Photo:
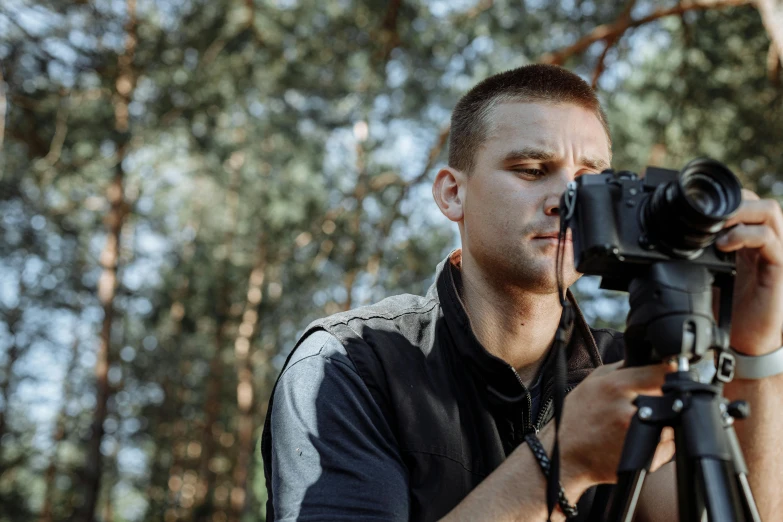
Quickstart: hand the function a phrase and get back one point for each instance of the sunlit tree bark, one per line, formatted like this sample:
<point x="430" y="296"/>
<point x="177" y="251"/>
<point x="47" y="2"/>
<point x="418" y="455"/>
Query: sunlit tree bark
<point x="109" y="261"/>
<point x="245" y="398"/>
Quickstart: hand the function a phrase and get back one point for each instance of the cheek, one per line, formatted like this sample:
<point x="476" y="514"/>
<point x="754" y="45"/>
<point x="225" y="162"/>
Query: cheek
<point x="512" y="203"/>
<point x="502" y="207"/>
<point x="502" y="215"/>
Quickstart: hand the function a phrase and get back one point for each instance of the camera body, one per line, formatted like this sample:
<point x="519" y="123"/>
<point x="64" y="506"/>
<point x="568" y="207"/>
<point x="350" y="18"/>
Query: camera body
<point x="616" y="235"/>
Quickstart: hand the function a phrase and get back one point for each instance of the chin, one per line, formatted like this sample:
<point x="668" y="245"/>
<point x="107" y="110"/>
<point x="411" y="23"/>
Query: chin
<point x="544" y="280"/>
<point x="532" y="271"/>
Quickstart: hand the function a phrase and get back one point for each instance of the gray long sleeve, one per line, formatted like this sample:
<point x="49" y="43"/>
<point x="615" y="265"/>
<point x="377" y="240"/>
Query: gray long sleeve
<point x="334" y="456"/>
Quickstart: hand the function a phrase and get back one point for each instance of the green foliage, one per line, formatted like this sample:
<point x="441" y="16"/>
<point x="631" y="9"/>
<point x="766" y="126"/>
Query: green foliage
<point x="276" y="168"/>
<point x="703" y="91"/>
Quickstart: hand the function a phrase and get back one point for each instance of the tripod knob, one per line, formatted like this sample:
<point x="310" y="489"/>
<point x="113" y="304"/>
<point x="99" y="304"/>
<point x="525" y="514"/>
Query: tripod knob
<point x="739" y="409"/>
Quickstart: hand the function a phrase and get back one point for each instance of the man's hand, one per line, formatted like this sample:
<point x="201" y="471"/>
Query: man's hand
<point x="596" y="417"/>
<point x="757" y="238"/>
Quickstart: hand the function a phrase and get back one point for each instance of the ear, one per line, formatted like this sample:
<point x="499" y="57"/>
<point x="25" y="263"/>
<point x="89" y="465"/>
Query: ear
<point x="449" y="192"/>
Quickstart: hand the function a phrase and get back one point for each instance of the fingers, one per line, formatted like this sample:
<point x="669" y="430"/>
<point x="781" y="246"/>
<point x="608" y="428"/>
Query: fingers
<point x="599" y="412"/>
<point x="760" y="237"/>
<point x="607" y="368"/>
<point x="640" y="380"/>
<point x="663" y="453"/>
<point x="758" y="212"/>
<point x="749" y="194"/>
<point x="757" y="225"/>
<point x="665" y="450"/>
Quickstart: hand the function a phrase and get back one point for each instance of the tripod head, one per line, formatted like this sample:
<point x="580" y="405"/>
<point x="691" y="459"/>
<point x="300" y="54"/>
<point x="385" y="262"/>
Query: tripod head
<point x="671" y="313"/>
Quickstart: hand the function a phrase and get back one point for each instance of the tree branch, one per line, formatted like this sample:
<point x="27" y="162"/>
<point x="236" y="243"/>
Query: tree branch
<point x="60" y="130"/>
<point x="773" y="65"/>
<point x="610" y="42"/>
<point x="772" y="17"/>
<point x="389" y="34"/>
<point x="374" y="261"/>
<point x="617" y="29"/>
<point x="219" y="43"/>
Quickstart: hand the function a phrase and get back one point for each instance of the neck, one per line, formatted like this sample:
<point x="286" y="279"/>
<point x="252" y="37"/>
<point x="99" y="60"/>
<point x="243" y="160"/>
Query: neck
<point x="512" y="323"/>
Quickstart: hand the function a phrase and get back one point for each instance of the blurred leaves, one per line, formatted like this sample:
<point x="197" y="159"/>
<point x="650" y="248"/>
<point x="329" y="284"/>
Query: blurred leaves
<point x="275" y="168"/>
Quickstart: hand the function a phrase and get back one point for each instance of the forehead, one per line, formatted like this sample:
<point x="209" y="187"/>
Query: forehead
<point x="561" y="128"/>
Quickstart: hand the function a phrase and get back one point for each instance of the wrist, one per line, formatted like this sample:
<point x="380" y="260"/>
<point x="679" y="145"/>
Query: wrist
<point x="756" y="351"/>
<point x="755" y="347"/>
<point x="574" y="477"/>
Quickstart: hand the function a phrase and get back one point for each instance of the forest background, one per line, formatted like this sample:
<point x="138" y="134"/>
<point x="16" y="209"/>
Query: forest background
<point x="185" y="184"/>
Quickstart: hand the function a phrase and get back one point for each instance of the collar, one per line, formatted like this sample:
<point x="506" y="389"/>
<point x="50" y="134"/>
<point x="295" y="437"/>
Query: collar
<point x="582" y="351"/>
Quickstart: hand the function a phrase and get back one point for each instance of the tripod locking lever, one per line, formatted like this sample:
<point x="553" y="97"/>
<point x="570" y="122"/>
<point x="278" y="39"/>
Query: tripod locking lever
<point x="739" y="410"/>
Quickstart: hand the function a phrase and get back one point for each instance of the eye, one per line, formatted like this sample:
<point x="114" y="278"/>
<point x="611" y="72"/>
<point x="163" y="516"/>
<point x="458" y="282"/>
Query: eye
<point x="529" y="172"/>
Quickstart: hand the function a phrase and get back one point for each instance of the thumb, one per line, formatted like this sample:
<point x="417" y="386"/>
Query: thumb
<point x="607" y="368"/>
<point x="665" y="450"/>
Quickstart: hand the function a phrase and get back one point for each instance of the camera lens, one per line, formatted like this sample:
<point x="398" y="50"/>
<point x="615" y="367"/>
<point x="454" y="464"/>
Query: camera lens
<point x="685" y="215"/>
<point x="706" y="195"/>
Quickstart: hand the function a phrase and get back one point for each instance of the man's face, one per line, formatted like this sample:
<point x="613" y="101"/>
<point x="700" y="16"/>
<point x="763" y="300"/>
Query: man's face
<point x="510" y="200"/>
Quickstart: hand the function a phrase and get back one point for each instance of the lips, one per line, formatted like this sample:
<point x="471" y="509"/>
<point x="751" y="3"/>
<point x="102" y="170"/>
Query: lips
<point x="553" y="235"/>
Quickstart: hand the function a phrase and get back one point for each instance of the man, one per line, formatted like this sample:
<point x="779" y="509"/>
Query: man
<point x="418" y="407"/>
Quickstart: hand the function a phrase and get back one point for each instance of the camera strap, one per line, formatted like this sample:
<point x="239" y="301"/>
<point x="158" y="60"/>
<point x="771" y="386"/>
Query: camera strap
<point x="553" y="487"/>
<point x="559" y="373"/>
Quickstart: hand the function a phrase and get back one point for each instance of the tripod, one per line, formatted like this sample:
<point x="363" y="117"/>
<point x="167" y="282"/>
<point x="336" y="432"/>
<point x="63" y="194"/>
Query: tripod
<point x="671" y="318"/>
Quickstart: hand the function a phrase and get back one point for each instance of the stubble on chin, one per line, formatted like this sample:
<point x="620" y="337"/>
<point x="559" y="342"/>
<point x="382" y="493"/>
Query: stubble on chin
<point x="535" y="272"/>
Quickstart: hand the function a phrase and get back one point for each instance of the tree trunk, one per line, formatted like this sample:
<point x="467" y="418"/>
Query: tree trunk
<point x="111" y="479"/>
<point x="243" y="351"/>
<point x="109" y="261"/>
<point x="169" y="424"/>
<point x="207" y="477"/>
<point x="107" y="288"/>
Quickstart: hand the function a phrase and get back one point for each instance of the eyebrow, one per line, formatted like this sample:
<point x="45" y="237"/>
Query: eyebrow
<point x="532" y="153"/>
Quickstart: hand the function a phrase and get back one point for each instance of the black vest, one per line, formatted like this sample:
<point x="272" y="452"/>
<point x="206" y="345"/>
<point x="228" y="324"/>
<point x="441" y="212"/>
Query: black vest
<point x="457" y="411"/>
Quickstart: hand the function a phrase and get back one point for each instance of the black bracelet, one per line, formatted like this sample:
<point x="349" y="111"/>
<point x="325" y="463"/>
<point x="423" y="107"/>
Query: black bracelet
<point x="569" y="510"/>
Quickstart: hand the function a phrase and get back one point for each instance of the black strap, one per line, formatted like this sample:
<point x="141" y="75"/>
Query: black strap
<point x="554" y="490"/>
<point x="569" y="510"/>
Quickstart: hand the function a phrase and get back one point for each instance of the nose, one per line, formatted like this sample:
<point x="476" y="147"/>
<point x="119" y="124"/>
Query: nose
<point x="552" y="205"/>
<point x="559" y="181"/>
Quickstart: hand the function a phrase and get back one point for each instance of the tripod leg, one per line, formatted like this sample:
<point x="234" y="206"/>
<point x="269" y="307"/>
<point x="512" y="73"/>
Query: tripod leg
<point x="638" y="451"/>
<point x="741" y="472"/>
<point x="720" y="493"/>
<point x="708" y="461"/>
<point x="690" y="502"/>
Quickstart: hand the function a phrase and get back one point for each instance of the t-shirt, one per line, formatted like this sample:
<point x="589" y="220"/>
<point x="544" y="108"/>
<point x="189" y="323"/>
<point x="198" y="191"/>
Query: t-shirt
<point x="334" y="454"/>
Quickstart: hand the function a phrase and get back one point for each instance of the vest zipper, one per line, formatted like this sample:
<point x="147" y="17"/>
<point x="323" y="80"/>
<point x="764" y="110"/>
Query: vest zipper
<point x="529" y="412"/>
<point x="544" y="411"/>
<point x="527" y="426"/>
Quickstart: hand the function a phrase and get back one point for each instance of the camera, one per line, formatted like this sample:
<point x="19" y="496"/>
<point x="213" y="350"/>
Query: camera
<point x="622" y="223"/>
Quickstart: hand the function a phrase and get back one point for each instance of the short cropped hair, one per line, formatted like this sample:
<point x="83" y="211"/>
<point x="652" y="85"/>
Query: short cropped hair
<point x="530" y="83"/>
